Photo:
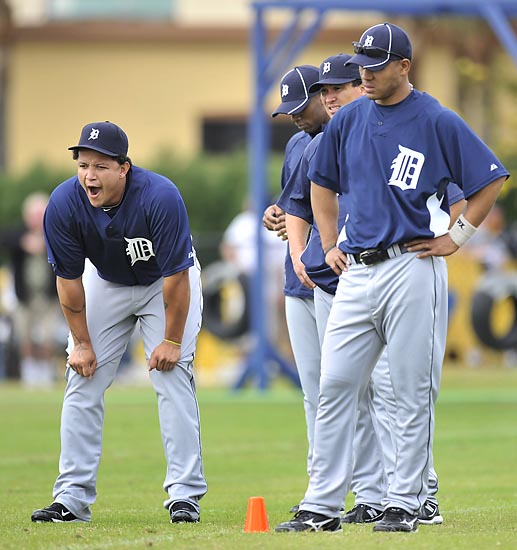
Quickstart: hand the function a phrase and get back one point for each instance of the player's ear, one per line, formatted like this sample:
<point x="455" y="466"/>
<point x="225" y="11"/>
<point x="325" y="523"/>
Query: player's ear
<point x="124" y="169"/>
<point x="405" y="66"/>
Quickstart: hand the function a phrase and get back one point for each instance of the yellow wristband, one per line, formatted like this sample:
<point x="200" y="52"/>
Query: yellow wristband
<point x="172" y="342"/>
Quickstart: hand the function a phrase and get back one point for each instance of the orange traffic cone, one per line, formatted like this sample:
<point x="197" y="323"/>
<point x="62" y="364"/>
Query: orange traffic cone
<point x="256" y="516"/>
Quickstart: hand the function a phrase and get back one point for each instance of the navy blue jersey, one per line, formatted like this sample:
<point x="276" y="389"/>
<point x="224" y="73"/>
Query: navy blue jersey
<point x="296" y="200"/>
<point x="147" y="238"/>
<point x="377" y="157"/>
<point x="454" y="194"/>
<point x="293" y="152"/>
<point x="313" y="257"/>
<point x="295" y="197"/>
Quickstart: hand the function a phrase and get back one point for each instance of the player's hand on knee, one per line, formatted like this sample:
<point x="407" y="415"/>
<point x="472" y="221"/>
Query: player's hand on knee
<point x="83" y="360"/>
<point x="165" y="356"/>
<point x="336" y="259"/>
<point x="441" y="246"/>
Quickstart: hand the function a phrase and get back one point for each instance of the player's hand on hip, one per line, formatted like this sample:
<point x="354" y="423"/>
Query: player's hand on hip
<point x="83" y="360"/>
<point x="441" y="246"/>
<point x="336" y="259"/>
<point x="165" y="356"/>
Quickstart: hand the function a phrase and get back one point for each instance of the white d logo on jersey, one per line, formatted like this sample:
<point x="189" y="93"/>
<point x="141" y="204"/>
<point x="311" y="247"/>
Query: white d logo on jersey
<point x="406" y="167"/>
<point x="139" y="249"/>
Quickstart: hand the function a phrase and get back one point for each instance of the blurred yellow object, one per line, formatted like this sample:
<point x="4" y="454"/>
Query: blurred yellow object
<point x="463" y="346"/>
<point x="217" y="362"/>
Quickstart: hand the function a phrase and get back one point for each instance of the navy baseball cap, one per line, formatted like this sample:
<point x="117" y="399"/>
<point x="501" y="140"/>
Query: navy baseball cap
<point x="334" y="71"/>
<point x="294" y="89"/>
<point x="104" y="137"/>
<point x="381" y="44"/>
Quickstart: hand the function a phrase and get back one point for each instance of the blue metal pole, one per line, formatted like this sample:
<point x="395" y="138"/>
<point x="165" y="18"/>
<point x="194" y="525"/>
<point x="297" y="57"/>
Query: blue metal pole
<point x="258" y="147"/>
<point x="262" y="351"/>
<point x="501" y="26"/>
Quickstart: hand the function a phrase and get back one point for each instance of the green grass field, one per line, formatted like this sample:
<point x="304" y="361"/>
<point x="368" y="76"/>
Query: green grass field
<point x="254" y="445"/>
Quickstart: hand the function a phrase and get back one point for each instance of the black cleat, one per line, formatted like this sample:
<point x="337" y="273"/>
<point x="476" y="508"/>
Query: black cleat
<point x="429" y="514"/>
<point x="183" y="512"/>
<point x="309" y="521"/>
<point x="362" y="513"/>
<point x="397" y="519"/>
<point x="56" y="513"/>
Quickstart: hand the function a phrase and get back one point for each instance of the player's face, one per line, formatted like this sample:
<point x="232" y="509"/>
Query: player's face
<point x="312" y="117"/>
<point x="335" y="96"/>
<point x="389" y="85"/>
<point x="103" y="178"/>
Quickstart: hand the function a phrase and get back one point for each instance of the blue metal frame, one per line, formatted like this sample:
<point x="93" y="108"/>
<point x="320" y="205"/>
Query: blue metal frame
<point x="269" y="64"/>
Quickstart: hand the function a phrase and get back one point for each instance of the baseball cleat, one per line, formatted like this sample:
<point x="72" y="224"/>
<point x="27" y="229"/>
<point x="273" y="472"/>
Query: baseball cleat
<point x="362" y="513"/>
<point x="429" y="514"/>
<point x="55" y="513"/>
<point x="309" y="521"/>
<point x="397" y="519"/>
<point x="183" y="512"/>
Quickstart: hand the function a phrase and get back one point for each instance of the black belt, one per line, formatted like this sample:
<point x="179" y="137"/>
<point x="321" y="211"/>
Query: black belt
<point x="373" y="256"/>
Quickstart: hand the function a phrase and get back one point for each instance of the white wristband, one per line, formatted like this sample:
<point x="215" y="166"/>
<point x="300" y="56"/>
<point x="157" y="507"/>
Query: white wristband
<point x="461" y="231"/>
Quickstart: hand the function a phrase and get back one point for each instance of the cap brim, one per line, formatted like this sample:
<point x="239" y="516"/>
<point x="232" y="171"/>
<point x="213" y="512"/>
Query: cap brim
<point x="98" y="149"/>
<point x="370" y="63"/>
<point x="329" y="81"/>
<point x="291" y="107"/>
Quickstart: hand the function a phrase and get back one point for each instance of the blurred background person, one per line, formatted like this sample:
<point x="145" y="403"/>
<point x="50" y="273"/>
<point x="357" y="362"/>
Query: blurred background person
<point x="489" y="246"/>
<point x="239" y="248"/>
<point x="490" y="256"/>
<point x="36" y="314"/>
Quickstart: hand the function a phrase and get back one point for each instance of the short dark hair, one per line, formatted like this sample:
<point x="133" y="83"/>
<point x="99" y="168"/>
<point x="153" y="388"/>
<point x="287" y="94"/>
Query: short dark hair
<point x="121" y="159"/>
<point x="356" y="83"/>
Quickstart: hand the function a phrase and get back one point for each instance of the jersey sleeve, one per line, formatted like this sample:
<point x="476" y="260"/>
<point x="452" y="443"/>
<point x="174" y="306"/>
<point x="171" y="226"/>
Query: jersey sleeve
<point x="170" y="229"/>
<point x="454" y="194"/>
<point x="295" y="199"/>
<point x="64" y="248"/>
<point x="471" y="163"/>
<point x="286" y="169"/>
<point x="323" y="168"/>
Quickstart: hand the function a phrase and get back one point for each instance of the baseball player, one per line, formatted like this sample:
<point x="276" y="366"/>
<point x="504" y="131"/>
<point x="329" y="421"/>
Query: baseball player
<point x="392" y="155"/>
<point x="308" y="114"/>
<point x="374" y="453"/>
<point x="132" y="225"/>
<point x="337" y="85"/>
